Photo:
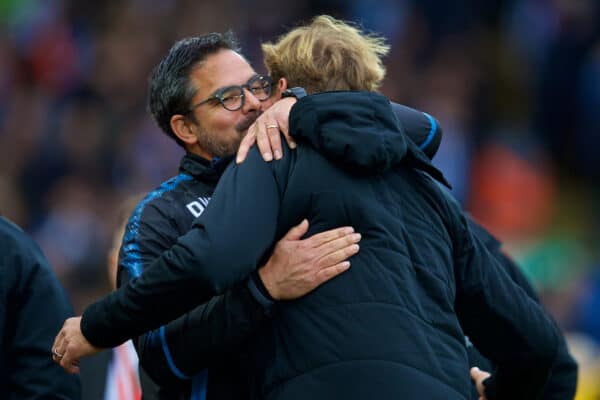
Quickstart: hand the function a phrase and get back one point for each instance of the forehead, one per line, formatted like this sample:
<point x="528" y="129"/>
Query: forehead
<point x="224" y="68"/>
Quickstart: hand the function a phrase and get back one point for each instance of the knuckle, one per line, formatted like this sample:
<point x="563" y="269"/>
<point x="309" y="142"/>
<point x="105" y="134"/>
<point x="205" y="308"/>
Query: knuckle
<point x="315" y="280"/>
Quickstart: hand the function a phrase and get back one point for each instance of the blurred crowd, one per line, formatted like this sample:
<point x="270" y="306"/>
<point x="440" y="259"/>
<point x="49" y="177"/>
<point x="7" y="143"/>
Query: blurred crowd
<point x="514" y="83"/>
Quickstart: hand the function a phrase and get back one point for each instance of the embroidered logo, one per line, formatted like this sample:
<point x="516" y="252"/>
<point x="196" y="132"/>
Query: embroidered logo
<point x="197" y="207"/>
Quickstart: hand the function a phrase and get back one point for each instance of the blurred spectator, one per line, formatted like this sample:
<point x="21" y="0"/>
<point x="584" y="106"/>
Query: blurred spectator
<point x="33" y="306"/>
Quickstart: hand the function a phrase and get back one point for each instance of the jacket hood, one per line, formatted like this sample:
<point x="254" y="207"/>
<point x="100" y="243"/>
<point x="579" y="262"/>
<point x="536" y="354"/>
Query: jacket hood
<point x="359" y="131"/>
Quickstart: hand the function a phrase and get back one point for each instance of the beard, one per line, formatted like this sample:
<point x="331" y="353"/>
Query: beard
<point x="216" y="145"/>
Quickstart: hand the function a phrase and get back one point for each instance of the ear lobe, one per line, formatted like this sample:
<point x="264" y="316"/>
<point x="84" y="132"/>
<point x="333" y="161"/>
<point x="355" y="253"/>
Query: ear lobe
<point x="183" y="129"/>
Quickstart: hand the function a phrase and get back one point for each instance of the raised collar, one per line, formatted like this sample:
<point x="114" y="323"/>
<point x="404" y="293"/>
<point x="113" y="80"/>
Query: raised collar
<point x="202" y="169"/>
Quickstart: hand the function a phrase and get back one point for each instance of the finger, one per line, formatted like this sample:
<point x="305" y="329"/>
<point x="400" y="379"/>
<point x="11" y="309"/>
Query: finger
<point x="338" y="244"/>
<point x="54" y="349"/>
<point x="58" y="348"/>
<point x="246" y="144"/>
<point x="274" y="138"/>
<point x="338" y="256"/>
<point x="59" y="337"/>
<point x="479" y="376"/>
<point x="319" y="239"/>
<point x="284" y="128"/>
<point x="70" y="365"/>
<point x="328" y="273"/>
<point x="263" y="143"/>
<point x="69" y="361"/>
<point x="290" y="140"/>
<point x="297" y="231"/>
<point x="282" y="117"/>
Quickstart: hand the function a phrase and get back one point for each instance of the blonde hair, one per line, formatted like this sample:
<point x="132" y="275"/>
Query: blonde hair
<point x="327" y="54"/>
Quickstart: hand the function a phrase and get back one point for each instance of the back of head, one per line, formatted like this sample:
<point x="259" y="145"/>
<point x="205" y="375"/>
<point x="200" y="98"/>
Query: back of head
<point x="327" y="55"/>
<point x="170" y="89"/>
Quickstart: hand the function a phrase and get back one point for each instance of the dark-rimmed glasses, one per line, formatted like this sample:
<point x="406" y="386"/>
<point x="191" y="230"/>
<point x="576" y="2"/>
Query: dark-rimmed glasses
<point x="232" y="98"/>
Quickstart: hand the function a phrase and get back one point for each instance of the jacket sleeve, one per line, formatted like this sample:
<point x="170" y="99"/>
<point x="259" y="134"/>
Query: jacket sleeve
<point x="37" y="306"/>
<point x="224" y="246"/>
<point x="207" y="334"/>
<point x="563" y="379"/>
<point x="167" y="354"/>
<point x="424" y="130"/>
<point x="501" y="320"/>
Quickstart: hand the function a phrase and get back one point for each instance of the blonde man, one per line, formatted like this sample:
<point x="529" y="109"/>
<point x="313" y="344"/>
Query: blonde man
<point x="390" y="327"/>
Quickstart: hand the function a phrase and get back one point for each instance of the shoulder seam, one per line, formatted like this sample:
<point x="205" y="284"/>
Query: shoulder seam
<point x="131" y="257"/>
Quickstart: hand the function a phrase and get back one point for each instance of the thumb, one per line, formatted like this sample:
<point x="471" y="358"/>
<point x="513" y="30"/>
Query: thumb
<point x="297" y="231"/>
<point x="478" y="377"/>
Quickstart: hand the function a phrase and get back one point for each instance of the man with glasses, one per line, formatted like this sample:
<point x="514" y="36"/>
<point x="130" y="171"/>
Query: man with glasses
<point x="205" y="95"/>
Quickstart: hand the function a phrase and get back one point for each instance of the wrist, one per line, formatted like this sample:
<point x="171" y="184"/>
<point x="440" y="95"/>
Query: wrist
<point x="264" y="280"/>
<point x="295" y="92"/>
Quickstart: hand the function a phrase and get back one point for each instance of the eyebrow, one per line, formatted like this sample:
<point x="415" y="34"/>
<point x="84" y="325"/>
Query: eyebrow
<point x="223" y="88"/>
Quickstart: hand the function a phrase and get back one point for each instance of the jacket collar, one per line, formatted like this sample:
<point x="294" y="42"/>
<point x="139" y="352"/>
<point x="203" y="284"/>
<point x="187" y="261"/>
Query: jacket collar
<point x="202" y="169"/>
<point x="359" y="131"/>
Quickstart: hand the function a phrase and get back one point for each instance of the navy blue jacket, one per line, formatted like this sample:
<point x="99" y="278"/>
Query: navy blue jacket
<point x="33" y="307"/>
<point x="394" y="324"/>
<point x="177" y="355"/>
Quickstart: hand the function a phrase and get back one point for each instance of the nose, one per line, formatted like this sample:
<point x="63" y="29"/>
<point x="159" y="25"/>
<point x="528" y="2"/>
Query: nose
<point x="251" y="103"/>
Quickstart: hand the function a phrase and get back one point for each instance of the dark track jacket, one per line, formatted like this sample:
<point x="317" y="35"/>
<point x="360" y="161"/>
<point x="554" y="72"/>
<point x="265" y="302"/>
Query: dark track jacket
<point x="177" y="355"/>
<point x="392" y="326"/>
<point x="33" y="307"/>
<point x="563" y="380"/>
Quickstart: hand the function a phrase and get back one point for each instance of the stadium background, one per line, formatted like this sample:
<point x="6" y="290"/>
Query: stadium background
<point x="514" y="83"/>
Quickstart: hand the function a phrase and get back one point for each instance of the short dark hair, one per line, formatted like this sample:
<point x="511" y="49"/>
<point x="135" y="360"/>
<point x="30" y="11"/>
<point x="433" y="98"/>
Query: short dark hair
<point x="170" y="91"/>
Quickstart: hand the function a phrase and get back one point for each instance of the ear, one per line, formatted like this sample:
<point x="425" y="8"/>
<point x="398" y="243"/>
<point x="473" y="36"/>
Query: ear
<point x="279" y="87"/>
<point x="183" y="129"/>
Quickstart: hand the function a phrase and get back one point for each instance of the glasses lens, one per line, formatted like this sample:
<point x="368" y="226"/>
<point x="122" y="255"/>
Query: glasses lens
<point x="260" y="87"/>
<point x="231" y="98"/>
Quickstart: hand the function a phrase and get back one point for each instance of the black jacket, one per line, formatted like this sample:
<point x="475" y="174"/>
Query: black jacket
<point x="390" y="326"/>
<point x="33" y="307"/>
<point x="563" y="380"/>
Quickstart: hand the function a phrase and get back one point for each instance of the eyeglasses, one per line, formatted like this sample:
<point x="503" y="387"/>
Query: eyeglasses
<point x="232" y="97"/>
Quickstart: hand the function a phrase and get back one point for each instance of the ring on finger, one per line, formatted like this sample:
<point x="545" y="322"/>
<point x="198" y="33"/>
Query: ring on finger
<point x="57" y="354"/>
<point x="272" y="126"/>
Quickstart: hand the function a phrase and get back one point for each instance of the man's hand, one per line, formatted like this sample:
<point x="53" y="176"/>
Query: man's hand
<point x="478" y="377"/>
<point x="265" y="131"/>
<point x="297" y="266"/>
<point x="70" y="345"/>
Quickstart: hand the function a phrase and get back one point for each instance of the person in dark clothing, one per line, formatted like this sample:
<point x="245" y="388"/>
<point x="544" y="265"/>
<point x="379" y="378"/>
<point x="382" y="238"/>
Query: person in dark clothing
<point x="32" y="306"/>
<point x="390" y="326"/>
<point x="562" y="384"/>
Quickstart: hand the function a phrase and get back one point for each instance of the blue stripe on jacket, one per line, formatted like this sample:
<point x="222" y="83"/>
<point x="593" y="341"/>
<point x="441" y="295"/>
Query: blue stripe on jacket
<point x="431" y="134"/>
<point x="132" y="262"/>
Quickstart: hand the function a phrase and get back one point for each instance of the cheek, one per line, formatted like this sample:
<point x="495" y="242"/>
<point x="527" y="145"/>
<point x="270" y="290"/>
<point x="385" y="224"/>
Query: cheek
<point x="219" y="122"/>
